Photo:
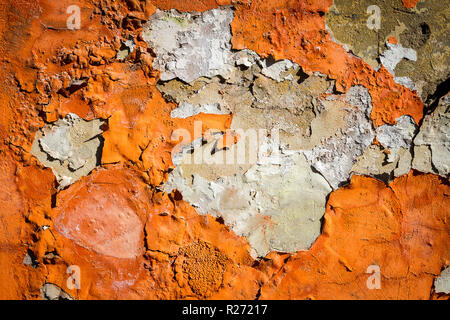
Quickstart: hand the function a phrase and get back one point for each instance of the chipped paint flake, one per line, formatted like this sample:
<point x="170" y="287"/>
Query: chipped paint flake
<point x="190" y="45"/>
<point x="394" y="54"/>
<point x="277" y="204"/>
<point x="70" y="146"/>
<point x="334" y="156"/>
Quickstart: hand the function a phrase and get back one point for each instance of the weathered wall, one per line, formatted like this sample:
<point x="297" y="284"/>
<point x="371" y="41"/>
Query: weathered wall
<point x="215" y="149"/>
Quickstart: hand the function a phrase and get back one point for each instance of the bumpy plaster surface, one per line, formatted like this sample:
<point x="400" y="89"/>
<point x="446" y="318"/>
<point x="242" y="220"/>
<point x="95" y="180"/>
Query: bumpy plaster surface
<point x="426" y="149"/>
<point x="399" y="135"/>
<point x="334" y="156"/>
<point x="402" y="227"/>
<point x="202" y="96"/>
<point x="396" y="161"/>
<point x="432" y="143"/>
<point x="279" y="70"/>
<point x="190" y="45"/>
<point x="277" y="204"/>
<point x="69" y="146"/>
<point x="442" y="283"/>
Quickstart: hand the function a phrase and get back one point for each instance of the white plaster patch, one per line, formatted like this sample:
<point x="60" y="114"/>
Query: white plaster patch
<point x="279" y="70"/>
<point x="190" y="45"/>
<point x="335" y="156"/>
<point x="399" y="135"/>
<point x="394" y="54"/>
<point x="69" y="146"/>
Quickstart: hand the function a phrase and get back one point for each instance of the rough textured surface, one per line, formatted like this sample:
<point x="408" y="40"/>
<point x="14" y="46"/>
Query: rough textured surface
<point x="264" y="203"/>
<point x="392" y="156"/>
<point x="256" y="101"/>
<point x="399" y="135"/>
<point x="257" y="197"/>
<point x="296" y="30"/>
<point x="339" y="259"/>
<point x="277" y="70"/>
<point x="432" y="143"/>
<point x="442" y="283"/>
<point x="383" y="164"/>
<point x="335" y="155"/>
<point x="50" y="291"/>
<point x="70" y="146"/>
